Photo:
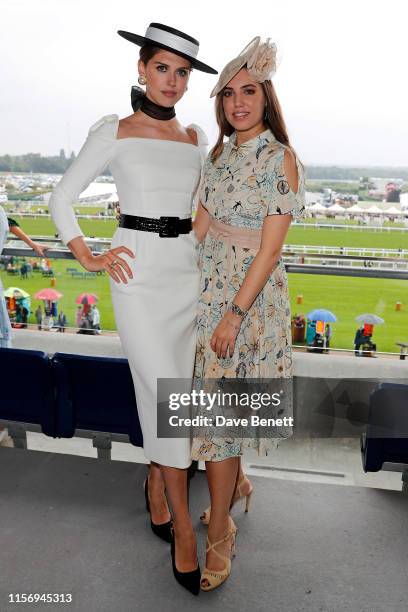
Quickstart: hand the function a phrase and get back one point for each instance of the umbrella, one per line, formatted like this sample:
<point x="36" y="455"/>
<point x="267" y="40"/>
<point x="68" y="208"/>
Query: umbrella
<point x="321" y="314"/>
<point x="371" y="319"/>
<point x="15" y="292"/>
<point x="48" y="294"/>
<point x="87" y="298"/>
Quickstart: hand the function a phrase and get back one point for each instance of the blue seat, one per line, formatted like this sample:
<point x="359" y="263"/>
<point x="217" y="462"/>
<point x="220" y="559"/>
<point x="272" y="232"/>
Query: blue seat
<point x="27" y="389"/>
<point x="97" y="394"/>
<point x="386" y="437"/>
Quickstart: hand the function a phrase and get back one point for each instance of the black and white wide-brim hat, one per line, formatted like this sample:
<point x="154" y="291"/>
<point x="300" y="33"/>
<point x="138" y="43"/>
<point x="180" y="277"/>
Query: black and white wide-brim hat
<point x="172" y="40"/>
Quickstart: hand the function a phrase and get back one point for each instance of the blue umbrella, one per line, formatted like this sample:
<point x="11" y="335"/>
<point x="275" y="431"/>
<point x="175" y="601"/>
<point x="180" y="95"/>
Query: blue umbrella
<point x="321" y="314"/>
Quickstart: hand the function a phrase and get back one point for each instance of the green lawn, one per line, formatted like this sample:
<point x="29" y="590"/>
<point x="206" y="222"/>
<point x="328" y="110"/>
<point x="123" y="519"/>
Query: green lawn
<point x="346" y="297"/>
<point x="69" y="287"/>
<point x="297" y="235"/>
<point x="347" y="238"/>
<point x="45" y="227"/>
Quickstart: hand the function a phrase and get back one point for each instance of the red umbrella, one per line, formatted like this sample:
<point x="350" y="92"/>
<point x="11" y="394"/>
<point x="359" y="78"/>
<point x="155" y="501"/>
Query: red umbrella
<point x="48" y="294"/>
<point x="87" y="298"/>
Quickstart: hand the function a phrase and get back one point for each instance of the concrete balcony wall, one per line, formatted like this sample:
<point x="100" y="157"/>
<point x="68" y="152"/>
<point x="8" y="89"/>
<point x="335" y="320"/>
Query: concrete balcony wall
<point x="334" y="460"/>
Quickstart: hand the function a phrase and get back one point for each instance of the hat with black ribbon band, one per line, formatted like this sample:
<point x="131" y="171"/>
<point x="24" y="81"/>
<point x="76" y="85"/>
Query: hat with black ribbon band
<point x="172" y="40"/>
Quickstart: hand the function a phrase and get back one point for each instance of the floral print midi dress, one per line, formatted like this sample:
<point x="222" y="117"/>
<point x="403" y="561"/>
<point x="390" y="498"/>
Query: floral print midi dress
<point x="244" y="185"/>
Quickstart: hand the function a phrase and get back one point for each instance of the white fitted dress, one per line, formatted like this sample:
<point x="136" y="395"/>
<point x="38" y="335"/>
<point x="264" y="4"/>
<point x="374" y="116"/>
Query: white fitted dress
<point x="155" y="311"/>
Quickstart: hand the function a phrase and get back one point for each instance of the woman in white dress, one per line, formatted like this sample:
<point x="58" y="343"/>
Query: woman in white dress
<point x="153" y="263"/>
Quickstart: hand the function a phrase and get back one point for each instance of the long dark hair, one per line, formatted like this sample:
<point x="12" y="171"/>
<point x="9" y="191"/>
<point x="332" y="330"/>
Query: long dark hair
<point x="273" y="119"/>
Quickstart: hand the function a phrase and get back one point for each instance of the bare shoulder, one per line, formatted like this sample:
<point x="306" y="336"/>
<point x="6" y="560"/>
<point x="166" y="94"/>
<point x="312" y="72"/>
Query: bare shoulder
<point x="128" y="126"/>
<point x="290" y="167"/>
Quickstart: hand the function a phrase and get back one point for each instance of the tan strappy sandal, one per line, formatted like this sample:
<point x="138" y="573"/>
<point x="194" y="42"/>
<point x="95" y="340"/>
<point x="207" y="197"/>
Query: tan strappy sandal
<point x="216" y="578"/>
<point x="238" y="494"/>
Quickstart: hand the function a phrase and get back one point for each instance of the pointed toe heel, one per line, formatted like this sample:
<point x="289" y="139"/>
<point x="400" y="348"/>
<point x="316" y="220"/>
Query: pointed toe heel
<point x="188" y="580"/>
<point x="163" y="530"/>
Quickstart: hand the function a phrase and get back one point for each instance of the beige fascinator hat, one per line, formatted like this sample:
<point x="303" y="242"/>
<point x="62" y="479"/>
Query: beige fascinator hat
<point x="260" y="61"/>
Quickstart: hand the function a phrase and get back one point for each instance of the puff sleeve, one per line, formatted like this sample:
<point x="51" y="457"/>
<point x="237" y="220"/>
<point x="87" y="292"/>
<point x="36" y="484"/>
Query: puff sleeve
<point x="90" y="162"/>
<point x="202" y="141"/>
<point x="279" y="197"/>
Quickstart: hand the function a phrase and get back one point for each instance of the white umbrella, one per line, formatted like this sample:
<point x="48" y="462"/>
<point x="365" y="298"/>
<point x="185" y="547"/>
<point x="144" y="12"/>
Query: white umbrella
<point x="369" y="318"/>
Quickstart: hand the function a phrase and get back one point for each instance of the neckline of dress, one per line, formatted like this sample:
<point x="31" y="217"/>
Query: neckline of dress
<point x="252" y="142"/>
<point x="189" y="144"/>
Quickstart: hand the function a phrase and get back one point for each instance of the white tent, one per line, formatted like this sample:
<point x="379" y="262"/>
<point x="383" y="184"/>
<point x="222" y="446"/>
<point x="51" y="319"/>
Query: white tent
<point x="336" y="208"/>
<point x="374" y="210"/>
<point x="393" y="211"/>
<point x="355" y="209"/>
<point x="98" y="191"/>
<point x="317" y="207"/>
<point x="113" y="197"/>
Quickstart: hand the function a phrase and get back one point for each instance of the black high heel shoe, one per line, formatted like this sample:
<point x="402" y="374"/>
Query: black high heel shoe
<point x="163" y="530"/>
<point x="188" y="580"/>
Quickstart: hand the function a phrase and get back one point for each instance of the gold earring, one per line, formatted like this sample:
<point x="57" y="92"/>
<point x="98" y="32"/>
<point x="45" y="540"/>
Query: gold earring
<point x="142" y="80"/>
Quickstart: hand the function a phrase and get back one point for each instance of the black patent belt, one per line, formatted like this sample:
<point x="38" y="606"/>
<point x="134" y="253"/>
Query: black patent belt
<point x="166" y="227"/>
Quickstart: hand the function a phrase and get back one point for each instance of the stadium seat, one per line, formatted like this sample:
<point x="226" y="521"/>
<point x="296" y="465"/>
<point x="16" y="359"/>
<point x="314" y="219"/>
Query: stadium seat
<point x="386" y="437"/>
<point x="27" y="390"/>
<point x="97" y="394"/>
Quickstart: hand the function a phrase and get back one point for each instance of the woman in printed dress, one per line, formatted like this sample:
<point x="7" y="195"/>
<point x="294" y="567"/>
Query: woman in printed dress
<point x="252" y="188"/>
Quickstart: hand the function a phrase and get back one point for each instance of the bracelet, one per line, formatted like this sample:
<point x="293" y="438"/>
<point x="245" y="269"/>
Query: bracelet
<point x="237" y="310"/>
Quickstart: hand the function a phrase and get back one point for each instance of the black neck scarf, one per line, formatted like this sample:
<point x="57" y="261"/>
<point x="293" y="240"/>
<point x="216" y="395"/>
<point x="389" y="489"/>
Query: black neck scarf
<point x="140" y="101"/>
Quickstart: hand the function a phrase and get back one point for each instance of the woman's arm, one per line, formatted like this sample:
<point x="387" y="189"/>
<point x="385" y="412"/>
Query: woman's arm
<point x="105" y="261"/>
<point x="274" y="230"/>
<point x="90" y="162"/>
<point x="38" y="248"/>
<point x="201" y="222"/>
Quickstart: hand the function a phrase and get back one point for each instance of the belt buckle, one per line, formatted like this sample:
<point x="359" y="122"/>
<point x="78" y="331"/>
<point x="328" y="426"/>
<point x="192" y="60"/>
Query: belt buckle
<point x="171" y="230"/>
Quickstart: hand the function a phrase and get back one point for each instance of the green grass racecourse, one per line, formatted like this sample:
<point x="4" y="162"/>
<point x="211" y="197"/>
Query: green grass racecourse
<point x="297" y="235"/>
<point x="347" y="238"/>
<point x="346" y="297"/>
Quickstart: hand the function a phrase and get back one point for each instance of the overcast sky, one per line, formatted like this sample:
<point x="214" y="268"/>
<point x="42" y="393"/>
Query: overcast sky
<point x="341" y="79"/>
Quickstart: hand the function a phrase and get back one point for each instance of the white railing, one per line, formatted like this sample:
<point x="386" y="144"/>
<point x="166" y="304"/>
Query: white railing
<point x="347" y="226"/>
<point x="348" y="251"/>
